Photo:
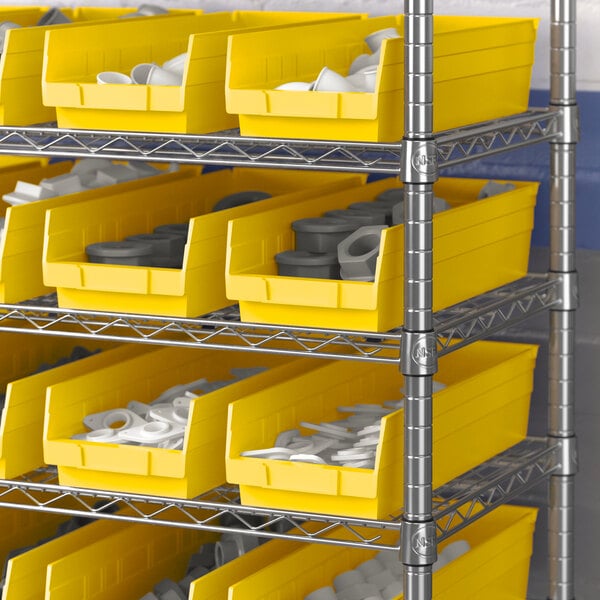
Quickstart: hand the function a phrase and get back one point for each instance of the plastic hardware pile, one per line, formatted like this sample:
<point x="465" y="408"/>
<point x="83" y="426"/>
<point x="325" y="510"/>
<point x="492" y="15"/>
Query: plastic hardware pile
<point x="344" y="243"/>
<point x="165" y="246"/>
<point x="362" y="74"/>
<point x="349" y="442"/>
<point x="86" y="174"/>
<point x="379" y="578"/>
<point x="209" y="557"/>
<point x="159" y="424"/>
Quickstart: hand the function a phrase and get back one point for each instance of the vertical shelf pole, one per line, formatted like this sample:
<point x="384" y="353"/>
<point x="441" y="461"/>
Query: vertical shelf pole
<point x="561" y="368"/>
<point x="419" y="349"/>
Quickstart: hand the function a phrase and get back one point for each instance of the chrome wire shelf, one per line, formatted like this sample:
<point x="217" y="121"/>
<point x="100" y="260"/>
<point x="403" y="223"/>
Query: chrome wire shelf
<point x="457" y="504"/>
<point x="232" y="149"/>
<point x="455" y="327"/>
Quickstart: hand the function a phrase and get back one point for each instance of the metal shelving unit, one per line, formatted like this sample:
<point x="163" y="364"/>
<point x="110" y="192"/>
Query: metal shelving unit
<point x="428" y="515"/>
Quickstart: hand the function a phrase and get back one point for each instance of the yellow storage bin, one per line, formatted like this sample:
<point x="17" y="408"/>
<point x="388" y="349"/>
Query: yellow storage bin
<point x="497" y="566"/>
<point x="23" y="55"/>
<point x="199" y="286"/>
<point x="477" y="246"/>
<point x="124" y="564"/>
<point x="127" y="564"/>
<point x="482" y="411"/>
<point x="185" y="473"/>
<point x="482" y="70"/>
<point x="74" y="57"/>
<point x="22" y="528"/>
<point x="22" y="241"/>
<point x="22" y="419"/>
<point x="26" y="573"/>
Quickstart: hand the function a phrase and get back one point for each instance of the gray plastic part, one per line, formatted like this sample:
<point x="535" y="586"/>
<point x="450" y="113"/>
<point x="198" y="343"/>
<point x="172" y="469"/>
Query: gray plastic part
<point x="440" y="205"/>
<point x="298" y="263"/>
<point x="358" y="253"/>
<point x="150" y="596"/>
<point x="186" y="582"/>
<point x="377" y="207"/>
<point x="167" y="248"/>
<point x="493" y="188"/>
<point x="181" y="229"/>
<point x="205" y="557"/>
<point x="120" y="253"/>
<point x="362" y="217"/>
<point x="239" y="199"/>
<point x="391" y="195"/>
<point x="53" y="17"/>
<point x="167" y="589"/>
<point x="322" y="235"/>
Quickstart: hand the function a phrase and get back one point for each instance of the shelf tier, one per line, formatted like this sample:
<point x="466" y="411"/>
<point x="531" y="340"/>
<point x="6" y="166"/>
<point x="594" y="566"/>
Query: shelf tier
<point x="456" y="505"/>
<point x="455" y="327"/>
<point x="230" y="148"/>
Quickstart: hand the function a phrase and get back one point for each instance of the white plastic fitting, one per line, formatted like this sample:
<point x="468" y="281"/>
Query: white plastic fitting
<point x="357" y="254"/>
<point x="69" y="183"/>
<point x="107" y="419"/>
<point x="27" y="192"/>
<point x="153" y="432"/>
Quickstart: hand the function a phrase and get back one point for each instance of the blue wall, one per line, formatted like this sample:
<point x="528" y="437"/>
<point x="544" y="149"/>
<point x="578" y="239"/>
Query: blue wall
<point x="533" y="164"/>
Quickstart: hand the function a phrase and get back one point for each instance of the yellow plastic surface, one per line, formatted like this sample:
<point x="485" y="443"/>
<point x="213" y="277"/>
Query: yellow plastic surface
<point x="477" y="246"/>
<point x="179" y="473"/>
<point x="21" y="528"/>
<point x="21" y="422"/>
<point x="482" y="411"/>
<point x="22" y="242"/>
<point x="198" y="287"/>
<point x="497" y="566"/>
<point x="126" y="563"/>
<point x="22" y="59"/>
<point x="215" y="584"/>
<point x="26" y="573"/>
<point x="482" y="70"/>
<point x="74" y="57"/>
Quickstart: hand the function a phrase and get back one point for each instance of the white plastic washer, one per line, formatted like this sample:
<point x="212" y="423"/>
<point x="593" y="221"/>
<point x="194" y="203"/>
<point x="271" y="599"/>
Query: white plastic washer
<point x="369" y="430"/>
<point x="329" y="431"/>
<point x="285" y="438"/>
<point x="273" y="453"/>
<point x="153" y="432"/>
<point x="107" y="418"/>
<point x="308" y="458"/>
<point x="102" y="435"/>
<point x="372" y="440"/>
<point x="394" y="404"/>
<point x="178" y="390"/>
<point x="178" y="415"/>
<point x="370" y="409"/>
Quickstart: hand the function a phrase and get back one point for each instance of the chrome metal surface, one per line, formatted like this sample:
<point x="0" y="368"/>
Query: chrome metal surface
<point x="492" y="484"/>
<point x="230" y="148"/>
<point x="486" y="139"/>
<point x="455" y="327"/>
<point x="455" y="504"/>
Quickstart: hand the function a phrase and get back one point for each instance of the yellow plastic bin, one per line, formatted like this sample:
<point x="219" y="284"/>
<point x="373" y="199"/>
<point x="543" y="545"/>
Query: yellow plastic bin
<point x="478" y="245"/>
<point x="74" y="57"/>
<point x="482" y="70"/>
<point x="22" y="528"/>
<point x="125" y="563"/>
<point x="185" y="473"/>
<point x="199" y="286"/>
<point x="23" y="55"/>
<point x="482" y="411"/>
<point x="22" y="419"/>
<point x="22" y="241"/>
<point x="130" y="562"/>
<point x="33" y="575"/>
<point x="496" y="566"/>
